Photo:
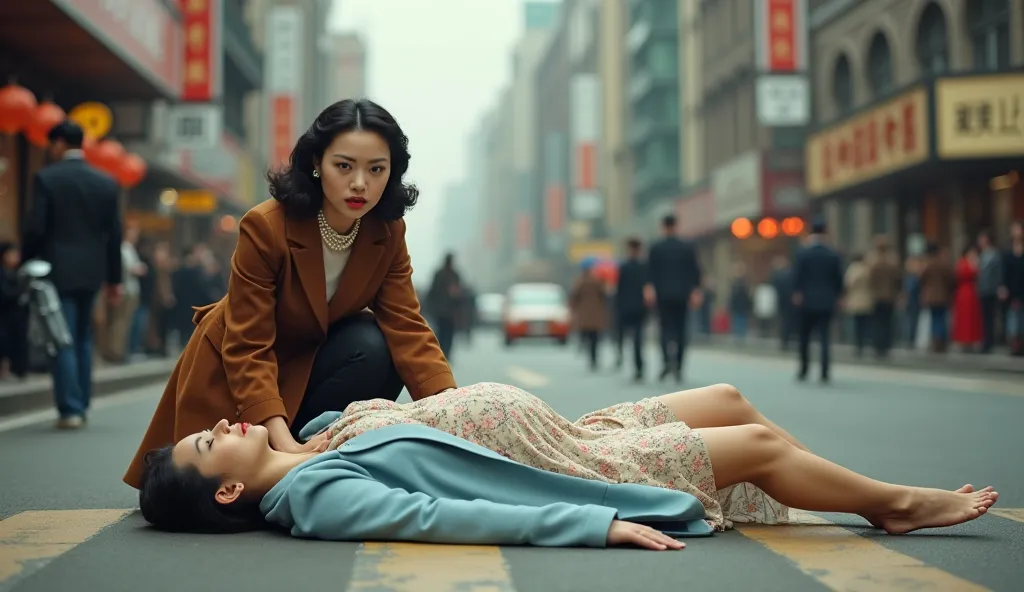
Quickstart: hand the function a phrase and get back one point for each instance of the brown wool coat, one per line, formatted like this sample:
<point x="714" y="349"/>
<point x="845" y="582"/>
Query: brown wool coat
<point x="251" y="354"/>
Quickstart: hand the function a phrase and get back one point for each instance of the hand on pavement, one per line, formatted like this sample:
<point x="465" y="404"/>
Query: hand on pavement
<point x="630" y="533"/>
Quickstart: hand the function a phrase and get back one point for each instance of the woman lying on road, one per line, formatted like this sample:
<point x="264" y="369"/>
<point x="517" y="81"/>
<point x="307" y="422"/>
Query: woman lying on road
<point x="492" y="464"/>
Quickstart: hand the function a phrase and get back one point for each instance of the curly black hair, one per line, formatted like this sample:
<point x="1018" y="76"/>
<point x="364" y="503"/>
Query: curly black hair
<point x="301" y="193"/>
<point x="180" y="499"/>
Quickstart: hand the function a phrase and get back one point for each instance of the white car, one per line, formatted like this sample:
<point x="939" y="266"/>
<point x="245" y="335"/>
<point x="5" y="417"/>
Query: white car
<point x="536" y="310"/>
<point x="490" y="308"/>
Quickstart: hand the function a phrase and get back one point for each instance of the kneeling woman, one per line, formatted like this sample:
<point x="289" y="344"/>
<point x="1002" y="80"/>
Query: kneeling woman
<point x="492" y="464"/>
<point x="292" y="338"/>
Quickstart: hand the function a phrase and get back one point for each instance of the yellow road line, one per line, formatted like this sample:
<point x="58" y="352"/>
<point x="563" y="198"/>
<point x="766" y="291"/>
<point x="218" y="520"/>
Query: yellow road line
<point x="842" y="560"/>
<point x="37" y="537"/>
<point x="526" y="378"/>
<point x="405" y="567"/>
<point x="1009" y="513"/>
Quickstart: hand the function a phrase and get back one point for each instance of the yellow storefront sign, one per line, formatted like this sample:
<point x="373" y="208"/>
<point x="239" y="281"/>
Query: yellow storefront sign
<point x="95" y="119"/>
<point x="578" y="251"/>
<point x="888" y="138"/>
<point x="245" y="188"/>
<point x="980" y="116"/>
<point x="196" y="202"/>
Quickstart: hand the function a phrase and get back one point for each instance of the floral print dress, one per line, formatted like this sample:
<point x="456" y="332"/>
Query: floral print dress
<point x="640" y="442"/>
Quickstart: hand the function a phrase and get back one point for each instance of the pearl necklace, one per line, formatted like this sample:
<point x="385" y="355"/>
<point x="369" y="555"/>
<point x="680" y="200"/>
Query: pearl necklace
<point x="333" y="239"/>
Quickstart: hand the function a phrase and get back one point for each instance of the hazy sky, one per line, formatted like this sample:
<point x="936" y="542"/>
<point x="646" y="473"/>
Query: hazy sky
<point x="437" y="66"/>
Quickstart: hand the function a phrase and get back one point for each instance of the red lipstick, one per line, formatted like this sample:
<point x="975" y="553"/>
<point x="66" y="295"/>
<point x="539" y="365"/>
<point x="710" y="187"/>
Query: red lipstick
<point x="245" y="428"/>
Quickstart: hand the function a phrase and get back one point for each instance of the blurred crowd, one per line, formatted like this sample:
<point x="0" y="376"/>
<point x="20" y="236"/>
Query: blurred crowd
<point x="152" y="318"/>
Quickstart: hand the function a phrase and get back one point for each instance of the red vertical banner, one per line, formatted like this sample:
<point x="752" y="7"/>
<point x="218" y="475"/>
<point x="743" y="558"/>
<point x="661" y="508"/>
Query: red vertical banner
<point x="554" y="200"/>
<point x="198" y="24"/>
<point x="585" y="155"/>
<point x="523" y="231"/>
<point x="283" y="110"/>
<point x="781" y="35"/>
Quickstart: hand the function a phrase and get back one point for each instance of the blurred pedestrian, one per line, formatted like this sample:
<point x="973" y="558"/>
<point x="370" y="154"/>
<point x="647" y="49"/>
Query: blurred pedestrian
<point x="588" y="300"/>
<point x="782" y="280"/>
<point x="886" y="281"/>
<point x="74" y="223"/>
<point x="967" y="321"/>
<point x="676" y="279"/>
<point x="740" y="303"/>
<point x="937" y="285"/>
<point x="320" y="308"/>
<point x="13" y="315"/>
<point x="990" y="279"/>
<point x="1013" y="289"/>
<point x="858" y="303"/>
<point x="631" y="306"/>
<point x="817" y="289"/>
<point x="912" y="299"/>
<point x="443" y="302"/>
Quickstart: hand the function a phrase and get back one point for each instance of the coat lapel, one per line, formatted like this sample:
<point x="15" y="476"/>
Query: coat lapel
<point x="308" y="255"/>
<point x="362" y="263"/>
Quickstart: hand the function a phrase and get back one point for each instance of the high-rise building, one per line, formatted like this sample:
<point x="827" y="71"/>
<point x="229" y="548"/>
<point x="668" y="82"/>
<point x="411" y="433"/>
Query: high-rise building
<point x="348" y="70"/>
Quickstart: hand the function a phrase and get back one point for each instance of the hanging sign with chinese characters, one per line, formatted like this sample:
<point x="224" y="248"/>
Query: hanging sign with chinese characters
<point x="200" y="20"/>
<point x="780" y="27"/>
<point x="980" y="116"/>
<point x="882" y="140"/>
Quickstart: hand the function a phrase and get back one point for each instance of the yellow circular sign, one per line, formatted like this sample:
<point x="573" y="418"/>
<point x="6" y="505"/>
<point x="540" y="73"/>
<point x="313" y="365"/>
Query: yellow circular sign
<point x="95" y="119"/>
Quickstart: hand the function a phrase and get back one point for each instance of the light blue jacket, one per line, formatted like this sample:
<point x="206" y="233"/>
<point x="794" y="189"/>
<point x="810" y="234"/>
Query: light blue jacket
<point x="416" y="483"/>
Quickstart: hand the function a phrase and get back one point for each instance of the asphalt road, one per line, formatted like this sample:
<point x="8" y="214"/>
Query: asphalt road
<point x="69" y="524"/>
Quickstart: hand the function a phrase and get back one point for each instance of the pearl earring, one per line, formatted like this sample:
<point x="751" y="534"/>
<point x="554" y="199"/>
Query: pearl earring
<point x="316" y="173"/>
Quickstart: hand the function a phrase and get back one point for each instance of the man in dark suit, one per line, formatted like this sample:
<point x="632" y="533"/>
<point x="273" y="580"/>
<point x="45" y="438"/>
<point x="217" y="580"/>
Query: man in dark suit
<point x="817" y="288"/>
<point x="75" y="224"/>
<point x="631" y="306"/>
<point x="675" y="276"/>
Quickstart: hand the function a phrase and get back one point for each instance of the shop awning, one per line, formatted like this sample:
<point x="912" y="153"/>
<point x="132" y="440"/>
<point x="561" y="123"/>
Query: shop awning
<point x="127" y="49"/>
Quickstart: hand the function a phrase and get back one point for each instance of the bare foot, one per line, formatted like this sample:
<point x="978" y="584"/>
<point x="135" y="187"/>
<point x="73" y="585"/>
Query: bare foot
<point x="876" y="520"/>
<point x="934" y="508"/>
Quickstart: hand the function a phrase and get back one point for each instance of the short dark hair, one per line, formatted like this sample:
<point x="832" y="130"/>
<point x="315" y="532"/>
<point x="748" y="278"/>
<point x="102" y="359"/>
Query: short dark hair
<point x="181" y="499"/>
<point x="669" y="221"/>
<point x="301" y="193"/>
<point x="69" y="131"/>
<point x="633" y="243"/>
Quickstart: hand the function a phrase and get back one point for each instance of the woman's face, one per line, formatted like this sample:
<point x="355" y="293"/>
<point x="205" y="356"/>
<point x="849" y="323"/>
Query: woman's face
<point x="354" y="171"/>
<point x="12" y="258"/>
<point x="234" y="453"/>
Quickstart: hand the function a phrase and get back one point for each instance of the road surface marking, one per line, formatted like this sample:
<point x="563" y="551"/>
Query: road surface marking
<point x="526" y="378"/>
<point x="407" y="567"/>
<point x="1009" y="513"/>
<point x="33" y="417"/>
<point x="31" y="539"/>
<point x="840" y="559"/>
<point x="910" y="377"/>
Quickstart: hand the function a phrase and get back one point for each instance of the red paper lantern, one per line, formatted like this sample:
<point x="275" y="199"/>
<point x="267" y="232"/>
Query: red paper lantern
<point x="105" y="155"/>
<point x="46" y="116"/>
<point x="17" y="104"/>
<point x="132" y="170"/>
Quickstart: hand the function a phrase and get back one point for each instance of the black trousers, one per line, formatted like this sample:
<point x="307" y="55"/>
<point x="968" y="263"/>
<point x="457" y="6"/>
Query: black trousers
<point x="590" y="340"/>
<point x="672" y="318"/>
<point x="353" y="364"/>
<point x="881" y="327"/>
<point x="820" y="323"/>
<point x="989" y="314"/>
<point x="632" y="326"/>
<point x="14" y="339"/>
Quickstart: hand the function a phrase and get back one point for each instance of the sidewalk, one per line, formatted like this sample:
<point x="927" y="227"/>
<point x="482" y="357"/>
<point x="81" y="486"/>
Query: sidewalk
<point x="950" y="362"/>
<point x="35" y="392"/>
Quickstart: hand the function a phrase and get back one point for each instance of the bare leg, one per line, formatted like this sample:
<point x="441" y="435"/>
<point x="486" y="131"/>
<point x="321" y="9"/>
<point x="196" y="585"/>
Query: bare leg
<point x="717" y="406"/>
<point x="799" y="479"/>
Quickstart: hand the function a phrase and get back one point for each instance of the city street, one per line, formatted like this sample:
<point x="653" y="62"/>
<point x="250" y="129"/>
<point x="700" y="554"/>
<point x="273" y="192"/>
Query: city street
<point x="70" y="524"/>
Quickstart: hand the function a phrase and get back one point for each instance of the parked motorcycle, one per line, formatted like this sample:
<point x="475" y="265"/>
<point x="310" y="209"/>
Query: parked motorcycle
<point x="47" y="328"/>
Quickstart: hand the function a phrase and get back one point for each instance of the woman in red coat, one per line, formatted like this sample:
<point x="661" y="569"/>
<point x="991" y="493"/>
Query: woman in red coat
<point x="966" y="305"/>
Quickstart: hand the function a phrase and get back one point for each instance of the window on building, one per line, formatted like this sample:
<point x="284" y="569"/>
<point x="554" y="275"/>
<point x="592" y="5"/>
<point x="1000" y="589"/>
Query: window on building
<point x="880" y="65"/>
<point x="932" y="41"/>
<point x="663" y="59"/>
<point x="842" y="84"/>
<point x="988" y="23"/>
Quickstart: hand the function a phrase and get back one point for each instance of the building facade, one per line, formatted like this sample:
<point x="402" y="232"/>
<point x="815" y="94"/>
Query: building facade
<point x="348" y="70"/>
<point x="653" y="96"/>
<point x="919" y="119"/>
